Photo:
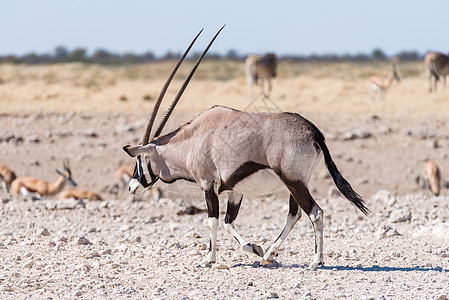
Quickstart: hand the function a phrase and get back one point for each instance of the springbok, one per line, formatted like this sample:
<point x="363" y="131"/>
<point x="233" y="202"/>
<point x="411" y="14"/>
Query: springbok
<point x="79" y="194"/>
<point x="259" y="69"/>
<point x="32" y="187"/>
<point x="226" y="150"/>
<point x="437" y="65"/>
<point x="378" y="83"/>
<point x="123" y="174"/>
<point x="6" y="177"/>
<point x="433" y="177"/>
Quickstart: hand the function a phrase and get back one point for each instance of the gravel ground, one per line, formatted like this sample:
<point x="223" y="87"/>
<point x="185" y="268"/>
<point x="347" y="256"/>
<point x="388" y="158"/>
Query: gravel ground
<point x="136" y="247"/>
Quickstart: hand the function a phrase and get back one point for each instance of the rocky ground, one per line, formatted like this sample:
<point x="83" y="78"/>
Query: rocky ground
<point x="137" y="247"/>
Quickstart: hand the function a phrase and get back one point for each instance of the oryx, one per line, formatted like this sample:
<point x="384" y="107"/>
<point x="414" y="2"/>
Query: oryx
<point x="226" y="150"/>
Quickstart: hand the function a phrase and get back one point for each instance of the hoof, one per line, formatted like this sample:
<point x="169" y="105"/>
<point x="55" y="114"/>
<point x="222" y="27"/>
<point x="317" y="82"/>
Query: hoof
<point x="253" y="248"/>
<point x="204" y="264"/>
<point x="257" y="250"/>
<point x="314" y="265"/>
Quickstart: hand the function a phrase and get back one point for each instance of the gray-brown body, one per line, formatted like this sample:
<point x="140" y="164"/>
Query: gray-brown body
<point x="437" y="66"/>
<point x="260" y="69"/>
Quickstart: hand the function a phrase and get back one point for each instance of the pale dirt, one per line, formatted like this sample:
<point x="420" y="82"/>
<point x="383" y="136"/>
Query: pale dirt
<point x="140" y="248"/>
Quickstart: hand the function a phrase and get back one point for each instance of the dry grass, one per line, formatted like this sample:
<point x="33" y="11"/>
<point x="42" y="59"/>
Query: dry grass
<point x="327" y="88"/>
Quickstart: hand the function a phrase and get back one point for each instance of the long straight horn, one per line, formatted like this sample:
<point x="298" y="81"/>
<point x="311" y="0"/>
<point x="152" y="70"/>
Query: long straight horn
<point x="164" y="89"/>
<point x="186" y="82"/>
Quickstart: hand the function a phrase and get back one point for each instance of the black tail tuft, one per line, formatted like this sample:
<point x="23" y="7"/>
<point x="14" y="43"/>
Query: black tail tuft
<point x="342" y="184"/>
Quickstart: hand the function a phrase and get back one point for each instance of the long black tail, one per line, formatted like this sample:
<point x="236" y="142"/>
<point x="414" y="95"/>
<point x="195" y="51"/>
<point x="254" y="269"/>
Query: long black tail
<point x="342" y="184"/>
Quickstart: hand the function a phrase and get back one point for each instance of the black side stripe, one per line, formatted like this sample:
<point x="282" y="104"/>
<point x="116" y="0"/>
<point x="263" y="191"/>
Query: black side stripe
<point x="241" y="173"/>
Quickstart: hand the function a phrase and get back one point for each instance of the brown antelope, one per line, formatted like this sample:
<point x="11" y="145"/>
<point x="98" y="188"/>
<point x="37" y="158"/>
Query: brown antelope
<point x="6" y="177"/>
<point x="79" y="194"/>
<point x="433" y="177"/>
<point x="123" y="174"/>
<point x="226" y="150"/>
<point x="378" y="83"/>
<point x="259" y="69"/>
<point x="437" y="65"/>
<point x="29" y="186"/>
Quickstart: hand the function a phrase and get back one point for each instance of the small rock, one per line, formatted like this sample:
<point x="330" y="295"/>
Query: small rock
<point x="44" y="232"/>
<point x="222" y="267"/>
<point x="202" y="246"/>
<point x="82" y="241"/>
<point x="400" y="215"/>
<point x="273" y="295"/>
<point x="33" y="139"/>
<point x="385" y="231"/>
<point x="107" y="252"/>
<point x="93" y="254"/>
<point x="126" y="228"/>
<point x="192" y="234"/>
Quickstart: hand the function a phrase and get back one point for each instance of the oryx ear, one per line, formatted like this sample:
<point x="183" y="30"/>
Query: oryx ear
<point x="133" y="151"/>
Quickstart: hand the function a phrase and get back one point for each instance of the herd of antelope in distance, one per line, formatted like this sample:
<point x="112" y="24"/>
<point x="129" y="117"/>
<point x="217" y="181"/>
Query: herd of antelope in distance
<point x="186" y="154"/>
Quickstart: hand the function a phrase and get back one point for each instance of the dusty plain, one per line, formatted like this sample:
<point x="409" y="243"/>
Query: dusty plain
<point x="136" y="247"/>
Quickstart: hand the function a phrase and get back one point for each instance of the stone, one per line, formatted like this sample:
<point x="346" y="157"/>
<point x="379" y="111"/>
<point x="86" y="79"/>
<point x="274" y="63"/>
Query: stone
<point x="400" y="215"/>
<point x="385" y="231"/>
<point x="82" y="241"/>
<point x="44" y="232"/>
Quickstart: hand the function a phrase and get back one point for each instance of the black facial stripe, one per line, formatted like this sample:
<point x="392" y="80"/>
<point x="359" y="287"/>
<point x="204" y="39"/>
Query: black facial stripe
<point x="141" y="176"/>
<point x="241" y="173"/>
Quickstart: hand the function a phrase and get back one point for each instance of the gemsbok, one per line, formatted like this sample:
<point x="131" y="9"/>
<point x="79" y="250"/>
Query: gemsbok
<point x="33" y="187"/>
<point x="6" y="177"/>
<point x="258" y="69"/>
<point x="378" y="83"/>
<point x="437" y="65"/>
<point x="433" y="177"/>
<point x="226" y="150"/>
<point x="79" y="194"/>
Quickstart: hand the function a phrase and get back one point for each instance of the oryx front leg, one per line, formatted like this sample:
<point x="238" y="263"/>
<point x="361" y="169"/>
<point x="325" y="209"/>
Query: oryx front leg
<point x="232" y="210"/>
<point x="294" y="214"/>
<point x="213" y="213"/>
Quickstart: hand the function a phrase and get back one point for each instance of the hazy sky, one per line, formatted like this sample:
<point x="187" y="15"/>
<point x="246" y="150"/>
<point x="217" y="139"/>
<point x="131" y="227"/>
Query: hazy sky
<point x="288" y="27"/>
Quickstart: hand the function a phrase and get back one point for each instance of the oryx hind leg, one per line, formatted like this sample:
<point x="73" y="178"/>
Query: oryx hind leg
<point x="294" y="214"/>
<point x="232" y="210"/>
<point x="302" y="196"/>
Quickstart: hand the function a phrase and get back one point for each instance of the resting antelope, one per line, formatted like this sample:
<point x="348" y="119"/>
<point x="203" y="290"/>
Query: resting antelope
<point x="226" y="150"/>
<point x="437" y="65"/>
<point x="259" y="69"/>
<point x="29" y="186"/>
<point x="378" y="83"/>
<point x="79" y="194"/>
<point x="6" y="177"/>
<point x="123" y="174"/>
<point x="433" y="177"/>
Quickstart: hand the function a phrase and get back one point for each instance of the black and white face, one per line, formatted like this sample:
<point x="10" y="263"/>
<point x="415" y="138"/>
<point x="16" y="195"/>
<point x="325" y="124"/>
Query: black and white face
<point x="143" y="176"/>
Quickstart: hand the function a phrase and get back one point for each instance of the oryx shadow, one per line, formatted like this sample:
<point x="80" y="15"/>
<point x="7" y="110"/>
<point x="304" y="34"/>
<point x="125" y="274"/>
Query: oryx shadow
<point x="373" y="268"/>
